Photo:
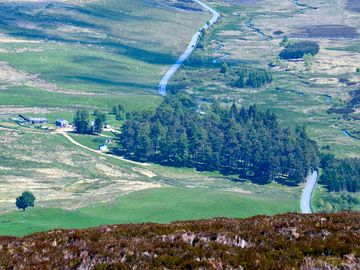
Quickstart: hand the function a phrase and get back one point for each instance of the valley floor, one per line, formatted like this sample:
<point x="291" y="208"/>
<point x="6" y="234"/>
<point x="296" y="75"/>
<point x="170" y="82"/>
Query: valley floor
<point x="77" y="188"/>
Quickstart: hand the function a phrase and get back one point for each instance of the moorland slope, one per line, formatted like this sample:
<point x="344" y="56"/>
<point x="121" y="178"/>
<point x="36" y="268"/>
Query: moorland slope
<point x="290" y="241"/>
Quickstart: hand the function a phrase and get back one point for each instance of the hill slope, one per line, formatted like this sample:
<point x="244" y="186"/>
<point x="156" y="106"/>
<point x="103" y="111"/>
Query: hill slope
<point x="321" y="241"/>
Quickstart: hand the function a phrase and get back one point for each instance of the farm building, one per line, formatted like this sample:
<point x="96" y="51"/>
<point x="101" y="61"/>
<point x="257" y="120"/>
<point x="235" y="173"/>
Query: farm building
<point x="62" y="123"/>
<point x="37" y="120"/>
<point x="103" y="148"/>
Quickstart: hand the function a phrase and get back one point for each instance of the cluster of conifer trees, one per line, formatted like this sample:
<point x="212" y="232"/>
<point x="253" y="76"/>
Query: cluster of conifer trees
<point x="244" y="142"/>
<point x="250" y="77"/>
<point x="242" y="76"/>
<point x="340" y="174"/>
<point x="83" y="125"/>
<point x="299" y="50"/>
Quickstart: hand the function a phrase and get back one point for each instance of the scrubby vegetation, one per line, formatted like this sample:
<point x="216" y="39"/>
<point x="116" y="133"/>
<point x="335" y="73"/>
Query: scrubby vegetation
<point x="289" y="241"/>
<point x="284" y="42"/>
<point x="355" y="98"/>
<point x="340" y="174"/>
<point x="299" y="50"/>
<point x="233" y="140"/>
<point x="335" y="202"/>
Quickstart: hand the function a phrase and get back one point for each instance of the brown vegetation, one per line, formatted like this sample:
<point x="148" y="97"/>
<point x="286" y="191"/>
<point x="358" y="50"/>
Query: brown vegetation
<point x="290" y="241"/>
<point x="327" y="31"/>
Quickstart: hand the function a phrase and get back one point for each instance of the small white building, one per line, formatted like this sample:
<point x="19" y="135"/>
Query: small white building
<point x="103" y="148"/>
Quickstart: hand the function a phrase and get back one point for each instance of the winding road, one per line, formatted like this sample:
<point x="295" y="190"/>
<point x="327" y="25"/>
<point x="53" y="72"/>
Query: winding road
<point x="305" y="204"/>
<point x="174" y="68"/>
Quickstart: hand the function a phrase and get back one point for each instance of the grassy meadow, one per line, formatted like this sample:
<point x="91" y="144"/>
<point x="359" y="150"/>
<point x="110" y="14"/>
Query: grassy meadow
<point x="94" y="54"/>
<point x="160" y="205"/>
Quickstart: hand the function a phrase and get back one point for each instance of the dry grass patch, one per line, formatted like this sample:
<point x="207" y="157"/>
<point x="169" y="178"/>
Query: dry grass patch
<point x="147" y="173"/>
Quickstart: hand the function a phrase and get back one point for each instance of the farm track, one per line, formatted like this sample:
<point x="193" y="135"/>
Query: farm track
<point x="70" y="139"/>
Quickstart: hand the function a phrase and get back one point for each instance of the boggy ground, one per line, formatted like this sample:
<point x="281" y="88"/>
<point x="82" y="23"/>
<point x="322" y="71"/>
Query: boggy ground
<point x="290" y="241"/>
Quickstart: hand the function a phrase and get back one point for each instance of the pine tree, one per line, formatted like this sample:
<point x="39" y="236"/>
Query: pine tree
<point x="82" y="122"/>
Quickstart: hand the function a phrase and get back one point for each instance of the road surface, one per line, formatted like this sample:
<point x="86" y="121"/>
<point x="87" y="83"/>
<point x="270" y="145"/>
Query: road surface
<point x="305" y="204"/>
<point x="165" y="79"/>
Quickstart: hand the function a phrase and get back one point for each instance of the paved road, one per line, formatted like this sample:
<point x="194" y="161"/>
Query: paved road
<point x="307" y="192"/>
<point x="165" y="79"/>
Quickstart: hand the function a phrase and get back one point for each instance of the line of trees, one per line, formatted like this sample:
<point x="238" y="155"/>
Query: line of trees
<point x="340" y="174"/>
<point x="233" y="140"/>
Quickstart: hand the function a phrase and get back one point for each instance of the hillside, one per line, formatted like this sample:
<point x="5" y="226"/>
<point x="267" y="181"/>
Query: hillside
<point x="321" y="241"/>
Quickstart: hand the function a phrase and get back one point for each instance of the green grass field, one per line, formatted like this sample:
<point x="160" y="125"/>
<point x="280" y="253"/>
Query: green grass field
<point x="155" y="205"/>
<point x="93" y="55"/>
<point x="91" y="141"/>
